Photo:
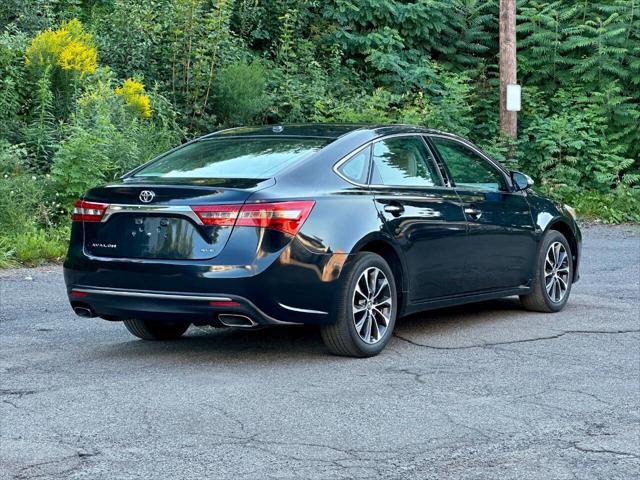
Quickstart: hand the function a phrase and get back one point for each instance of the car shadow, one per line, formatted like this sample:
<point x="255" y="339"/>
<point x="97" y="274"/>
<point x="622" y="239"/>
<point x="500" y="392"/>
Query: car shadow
<point x="203" y="344"/>
<point x="449" y="317"/>
<point x="471" y="324"/>
<point x="286" y="343"/>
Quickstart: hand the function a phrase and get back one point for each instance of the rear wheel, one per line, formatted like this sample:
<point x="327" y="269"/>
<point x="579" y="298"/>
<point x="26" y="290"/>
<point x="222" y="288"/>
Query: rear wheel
<point x="554" y="274"/>
<point x="149" y="330"/>
<point x="366" y="309"/>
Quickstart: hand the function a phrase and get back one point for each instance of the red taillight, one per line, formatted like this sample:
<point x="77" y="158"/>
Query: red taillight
<point x="88" y="211"/>
<point x="222" y="215"/>
<point x="75" y="293"/>
<point x="286" y="217"/>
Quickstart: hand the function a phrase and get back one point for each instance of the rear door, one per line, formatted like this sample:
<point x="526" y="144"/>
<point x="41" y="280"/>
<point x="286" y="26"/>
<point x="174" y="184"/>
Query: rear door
<point x="421" y="213"/>
<point x="502" y="242"/>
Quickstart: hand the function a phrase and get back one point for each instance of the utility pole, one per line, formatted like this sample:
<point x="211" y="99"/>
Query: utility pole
<point x="508" y="67"/>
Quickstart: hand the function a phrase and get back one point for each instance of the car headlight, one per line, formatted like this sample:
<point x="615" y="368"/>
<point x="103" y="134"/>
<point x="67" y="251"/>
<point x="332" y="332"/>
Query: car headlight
<point x="571" y="210"/>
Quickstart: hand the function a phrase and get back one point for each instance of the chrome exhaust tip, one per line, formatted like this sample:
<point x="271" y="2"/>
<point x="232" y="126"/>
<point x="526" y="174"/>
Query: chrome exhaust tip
<point x="84" y="312"/>
<point x="238" y="321"/>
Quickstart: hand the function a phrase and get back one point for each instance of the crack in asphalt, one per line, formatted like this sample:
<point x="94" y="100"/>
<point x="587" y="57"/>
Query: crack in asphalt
<point x="24" y="474"/>
<point x="511" y="342"/>
<point x="603" y="450"/>
<point x="272" y="408"/>
<point x="18" y="393"/>
<point x="9" y="402"/>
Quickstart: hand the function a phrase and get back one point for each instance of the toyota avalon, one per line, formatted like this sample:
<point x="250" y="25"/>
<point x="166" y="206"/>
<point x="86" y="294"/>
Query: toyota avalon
<point x="340" y="226"/>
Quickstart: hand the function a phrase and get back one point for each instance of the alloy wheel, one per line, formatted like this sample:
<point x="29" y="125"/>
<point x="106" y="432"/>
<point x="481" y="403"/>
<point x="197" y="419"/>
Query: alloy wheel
<point x="556" y="272"/>
<point x="372" y="305"/>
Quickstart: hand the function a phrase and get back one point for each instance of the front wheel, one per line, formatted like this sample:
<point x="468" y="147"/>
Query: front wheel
<point x="366" y="309"/>
<point x="553" y="277"/>
<point x="149" y="330"/>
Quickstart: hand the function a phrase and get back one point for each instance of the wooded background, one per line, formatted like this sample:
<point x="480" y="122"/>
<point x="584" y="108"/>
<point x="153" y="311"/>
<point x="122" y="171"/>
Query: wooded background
<point x="89" y="89"/>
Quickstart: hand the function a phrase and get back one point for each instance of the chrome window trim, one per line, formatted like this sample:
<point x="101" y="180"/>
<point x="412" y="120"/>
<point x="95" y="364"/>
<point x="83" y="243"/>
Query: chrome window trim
<point x="445" y="192"/>
<point x="350" y="155"/>
<point x="337" y="166"/>
<point x="183" y="210"/>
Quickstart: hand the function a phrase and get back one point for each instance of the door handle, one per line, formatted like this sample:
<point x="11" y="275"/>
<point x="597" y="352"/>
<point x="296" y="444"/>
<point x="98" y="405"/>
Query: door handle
<point x="473" y="212"/>
<point x="394" y="209"/>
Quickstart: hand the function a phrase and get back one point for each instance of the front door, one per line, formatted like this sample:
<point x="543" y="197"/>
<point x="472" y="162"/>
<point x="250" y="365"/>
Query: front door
<point x="422" y="214"/>
<point x="502" y="239"/>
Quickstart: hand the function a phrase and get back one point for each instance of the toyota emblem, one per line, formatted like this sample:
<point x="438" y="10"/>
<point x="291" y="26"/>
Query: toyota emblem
<point x="147" y="196"/>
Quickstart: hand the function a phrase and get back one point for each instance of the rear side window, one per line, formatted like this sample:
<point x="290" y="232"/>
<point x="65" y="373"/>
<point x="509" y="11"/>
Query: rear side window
<point x="404" y="161"/>
<point x="356" y="168"/>
<point x="233" y="158"/>
<point x="468" y="169"/>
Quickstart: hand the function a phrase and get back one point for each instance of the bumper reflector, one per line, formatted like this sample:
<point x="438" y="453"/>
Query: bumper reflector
<point x="224" y="303"/>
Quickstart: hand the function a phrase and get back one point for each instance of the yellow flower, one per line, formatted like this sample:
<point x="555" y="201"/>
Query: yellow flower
<point x="68" y="48"/>
<point x="133" y="93"/>
<point x="77" y="56"/>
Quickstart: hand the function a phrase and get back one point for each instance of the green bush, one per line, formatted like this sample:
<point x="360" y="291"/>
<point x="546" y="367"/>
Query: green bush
<point x="27" y="197"/>
<point x="12" y="86"/>
<point x="106" y="138"/>
<point x="572" y="149"/>
<point x="240" y="93"/>
<point x="33" y="219"/>
<point x="618" y="206"/>
<point x="33" y="247"/>
<point x="212" y="64"/>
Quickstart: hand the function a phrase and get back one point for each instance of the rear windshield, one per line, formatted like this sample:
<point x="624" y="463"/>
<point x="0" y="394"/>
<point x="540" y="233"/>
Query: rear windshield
<point x="233" y="158"/>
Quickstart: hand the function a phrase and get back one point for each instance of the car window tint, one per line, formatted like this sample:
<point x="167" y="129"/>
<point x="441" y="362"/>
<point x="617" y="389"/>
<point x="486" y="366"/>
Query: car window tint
<point x="232" y="158"/>
<point x="404" y="161"/>
<point x="467" y="168"/>
<point x="356" y="168"/>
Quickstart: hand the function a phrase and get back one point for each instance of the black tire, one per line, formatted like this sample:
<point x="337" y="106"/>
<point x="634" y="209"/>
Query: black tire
<point x="341" y="338"/>
<point x="539" y="300"/>
<point x="149" y="330"/>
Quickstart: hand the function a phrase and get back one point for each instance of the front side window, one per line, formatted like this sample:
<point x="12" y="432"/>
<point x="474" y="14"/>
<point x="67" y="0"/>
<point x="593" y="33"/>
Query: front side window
<point x="468" y="169"/>
<point x="404" y="161"/>
<point x="255" y="158"/>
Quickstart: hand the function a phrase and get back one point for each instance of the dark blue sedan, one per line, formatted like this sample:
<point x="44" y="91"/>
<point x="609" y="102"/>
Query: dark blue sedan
<point x="341" y="226"/>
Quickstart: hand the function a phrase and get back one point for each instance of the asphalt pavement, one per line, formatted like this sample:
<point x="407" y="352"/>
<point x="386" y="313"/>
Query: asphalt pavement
<point x="476" y="392"/>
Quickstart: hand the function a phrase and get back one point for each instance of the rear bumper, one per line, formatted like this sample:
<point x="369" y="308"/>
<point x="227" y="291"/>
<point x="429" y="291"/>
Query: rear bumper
<point x="170" y="306"/>
<point x="290" y="286"/>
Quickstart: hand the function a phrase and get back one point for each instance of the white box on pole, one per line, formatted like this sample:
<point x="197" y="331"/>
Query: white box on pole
<point x="514" y="98"/>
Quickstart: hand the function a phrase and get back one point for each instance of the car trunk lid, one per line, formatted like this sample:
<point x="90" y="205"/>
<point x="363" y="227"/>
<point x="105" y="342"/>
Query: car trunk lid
<point x="160" y="220"/>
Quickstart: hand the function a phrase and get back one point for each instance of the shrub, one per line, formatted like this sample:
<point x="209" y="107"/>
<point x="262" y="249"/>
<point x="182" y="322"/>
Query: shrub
<point x="240" y="93"/>
<point x="134" y="95"/>
<point x="68" y="48"/>
<point x="619" y="205"/>
<point x="111" y="134"/>
<point x="13" y="88"/>
<point x="34" y="247"/>
<point x="27" y="197"/>
<point x="571" y="149"/>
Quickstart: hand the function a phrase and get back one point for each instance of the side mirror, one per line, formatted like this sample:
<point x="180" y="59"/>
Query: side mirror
<point x="521" y="181"/>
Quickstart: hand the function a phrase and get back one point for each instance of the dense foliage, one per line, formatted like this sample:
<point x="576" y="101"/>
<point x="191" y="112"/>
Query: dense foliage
<point x="89" y="89"/>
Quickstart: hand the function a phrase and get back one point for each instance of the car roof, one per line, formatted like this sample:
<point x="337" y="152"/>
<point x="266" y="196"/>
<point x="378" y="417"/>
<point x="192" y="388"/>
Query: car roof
<point x="317" y="130"/>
